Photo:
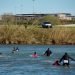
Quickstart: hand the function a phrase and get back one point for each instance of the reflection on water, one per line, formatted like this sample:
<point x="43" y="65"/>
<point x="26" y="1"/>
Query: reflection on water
<point x="21" y="63"/>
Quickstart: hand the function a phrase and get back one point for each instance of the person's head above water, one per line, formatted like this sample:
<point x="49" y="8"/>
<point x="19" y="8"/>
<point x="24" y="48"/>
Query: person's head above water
<point x="34" y="52"/>
<point x="48" y="49"/>
<point x="0" y="53"/>
<point x="65" y="53"/>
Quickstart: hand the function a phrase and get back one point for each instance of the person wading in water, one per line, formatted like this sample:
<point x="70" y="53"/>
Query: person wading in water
<point x="48" y="52"/>
<point x="65" y="58"/>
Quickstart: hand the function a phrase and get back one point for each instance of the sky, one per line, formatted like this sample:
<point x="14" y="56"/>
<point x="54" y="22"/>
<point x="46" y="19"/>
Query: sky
<point x="37" y="6"/>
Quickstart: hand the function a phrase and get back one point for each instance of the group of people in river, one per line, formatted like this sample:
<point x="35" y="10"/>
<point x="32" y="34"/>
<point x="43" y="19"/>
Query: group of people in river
<point x="65" y="58"/>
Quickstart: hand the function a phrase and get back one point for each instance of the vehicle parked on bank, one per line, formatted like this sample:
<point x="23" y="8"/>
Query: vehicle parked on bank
<point x="46" y="25"/>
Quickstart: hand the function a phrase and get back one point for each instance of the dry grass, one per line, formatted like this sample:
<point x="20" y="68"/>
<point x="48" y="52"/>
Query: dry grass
<point x="10" y="34"/>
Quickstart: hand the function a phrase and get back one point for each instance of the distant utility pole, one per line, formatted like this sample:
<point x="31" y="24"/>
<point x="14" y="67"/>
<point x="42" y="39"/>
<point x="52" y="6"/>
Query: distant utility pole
<point x="33" y="6"/>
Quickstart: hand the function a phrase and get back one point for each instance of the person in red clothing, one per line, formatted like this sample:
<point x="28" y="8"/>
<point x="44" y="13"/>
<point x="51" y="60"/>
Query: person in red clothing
<point x="34" y="55"/>
<point x="56" y="63"/>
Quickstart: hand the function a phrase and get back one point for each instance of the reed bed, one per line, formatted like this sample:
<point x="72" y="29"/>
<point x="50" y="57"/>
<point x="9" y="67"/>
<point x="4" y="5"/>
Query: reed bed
<point x="18" y="34"/>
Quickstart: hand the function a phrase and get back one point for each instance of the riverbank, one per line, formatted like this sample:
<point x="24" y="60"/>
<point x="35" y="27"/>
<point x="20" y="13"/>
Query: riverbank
<point x="19" y="34"/>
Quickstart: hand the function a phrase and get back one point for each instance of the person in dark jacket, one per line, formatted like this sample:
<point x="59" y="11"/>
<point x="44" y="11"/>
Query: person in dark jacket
<point x="65" y="58"/>
<point x="15" y="50"/>
<point x="48" y="52"/>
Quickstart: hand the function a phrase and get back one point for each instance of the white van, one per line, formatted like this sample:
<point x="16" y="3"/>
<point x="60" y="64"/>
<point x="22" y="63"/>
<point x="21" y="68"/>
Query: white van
<point x="46" y="25"/>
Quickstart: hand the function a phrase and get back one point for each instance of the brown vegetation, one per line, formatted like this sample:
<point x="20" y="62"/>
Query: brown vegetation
<point x="14" y="34"/>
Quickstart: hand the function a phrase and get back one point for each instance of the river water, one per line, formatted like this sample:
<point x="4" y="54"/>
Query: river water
<point x="21" y="62"/>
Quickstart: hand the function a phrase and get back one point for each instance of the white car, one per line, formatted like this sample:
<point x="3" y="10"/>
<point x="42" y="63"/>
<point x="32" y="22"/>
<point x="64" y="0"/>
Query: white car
<point x="47" y="25"/>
